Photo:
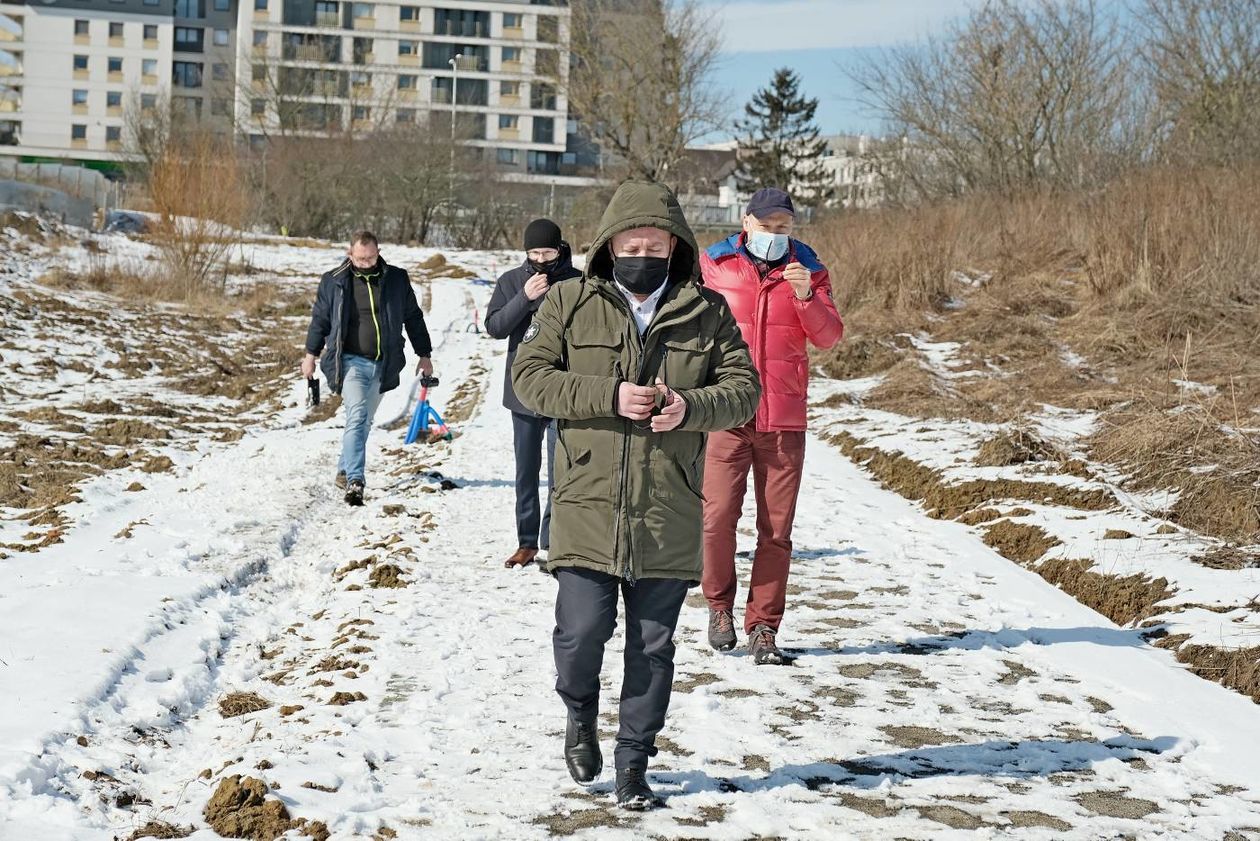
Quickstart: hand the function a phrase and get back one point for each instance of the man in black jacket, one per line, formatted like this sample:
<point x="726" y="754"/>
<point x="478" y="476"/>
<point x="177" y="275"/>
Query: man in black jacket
<point x="516" y="298"/>
<point x="360" y="312"/>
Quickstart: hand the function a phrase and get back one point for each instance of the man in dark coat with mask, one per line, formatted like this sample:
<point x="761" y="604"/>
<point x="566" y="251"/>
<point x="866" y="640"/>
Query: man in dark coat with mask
<point x="636" y="361"/>
<point x="516" y="298"/>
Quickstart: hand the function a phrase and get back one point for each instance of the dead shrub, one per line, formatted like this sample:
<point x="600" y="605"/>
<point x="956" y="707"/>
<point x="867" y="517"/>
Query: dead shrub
<point x="241" y="703"/>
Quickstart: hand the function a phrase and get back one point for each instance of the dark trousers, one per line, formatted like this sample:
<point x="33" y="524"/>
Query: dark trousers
<point x="586" y="613"/>
<point x="527" y="438"/>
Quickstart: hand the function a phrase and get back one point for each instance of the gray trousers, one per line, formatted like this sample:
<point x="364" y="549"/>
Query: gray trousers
<point x="527" y="439"/>
<point x="586" y="613"/>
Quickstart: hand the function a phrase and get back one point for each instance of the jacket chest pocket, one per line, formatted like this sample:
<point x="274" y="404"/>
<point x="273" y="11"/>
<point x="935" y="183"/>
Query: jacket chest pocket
<point x="597" y="352"/>
<point x="685" y="358"/>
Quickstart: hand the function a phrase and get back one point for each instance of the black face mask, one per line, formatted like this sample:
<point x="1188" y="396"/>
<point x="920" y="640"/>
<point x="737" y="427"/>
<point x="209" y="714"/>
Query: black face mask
<point x="548" y="268"/>
<point x="641" y="275"/>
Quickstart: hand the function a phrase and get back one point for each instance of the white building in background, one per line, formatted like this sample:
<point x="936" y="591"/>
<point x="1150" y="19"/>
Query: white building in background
<point x="68" y="74"/>
<point x="497" y="67"/>
<point x="71" y="71"/>
<point x="853" y="176"/>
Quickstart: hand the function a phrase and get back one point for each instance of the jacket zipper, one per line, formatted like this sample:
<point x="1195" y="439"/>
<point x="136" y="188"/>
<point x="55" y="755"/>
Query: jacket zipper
<point x="375" y="324"/>
<point x="341" y="334"/>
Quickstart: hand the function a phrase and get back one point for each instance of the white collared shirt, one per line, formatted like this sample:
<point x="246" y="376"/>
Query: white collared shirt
<point x="643" y="311"/>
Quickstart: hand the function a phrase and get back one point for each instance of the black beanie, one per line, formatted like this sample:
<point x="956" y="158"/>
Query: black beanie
<point x="542" y="233"/>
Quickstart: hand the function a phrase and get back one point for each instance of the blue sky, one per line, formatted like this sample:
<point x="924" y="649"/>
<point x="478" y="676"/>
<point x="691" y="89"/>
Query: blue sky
<point x="816" y="38"/>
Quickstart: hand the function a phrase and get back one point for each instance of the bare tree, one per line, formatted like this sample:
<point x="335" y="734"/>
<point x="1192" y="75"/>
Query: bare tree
<point x="1013" y="95"/>
<point x="1202" y="61"/>
<point x="640" y="78"/>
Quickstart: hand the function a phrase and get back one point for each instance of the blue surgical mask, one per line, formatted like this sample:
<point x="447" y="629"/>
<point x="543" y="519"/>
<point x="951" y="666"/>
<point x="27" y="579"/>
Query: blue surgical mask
<point x="767" y="246"/>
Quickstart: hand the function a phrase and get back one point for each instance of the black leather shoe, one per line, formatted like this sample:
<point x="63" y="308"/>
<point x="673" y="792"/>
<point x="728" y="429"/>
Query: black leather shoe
<point x="633" y="792"/>
<point x="581" y="752"/>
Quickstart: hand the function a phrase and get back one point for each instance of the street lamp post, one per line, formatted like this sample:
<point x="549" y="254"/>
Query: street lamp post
<point x="450" y="180"/>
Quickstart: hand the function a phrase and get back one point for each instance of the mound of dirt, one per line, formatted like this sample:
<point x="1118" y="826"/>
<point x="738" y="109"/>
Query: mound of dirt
<point x="1018" y="542"/>
<point x="1122" y="599"/>
<point x="239" y="808"/>
<point x="387" y="575"/>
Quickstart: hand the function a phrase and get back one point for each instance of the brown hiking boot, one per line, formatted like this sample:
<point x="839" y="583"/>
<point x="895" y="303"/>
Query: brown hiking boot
<point x="521" y="557"/>
<point x="762" y="648"/>
<point x="721" y="630"/>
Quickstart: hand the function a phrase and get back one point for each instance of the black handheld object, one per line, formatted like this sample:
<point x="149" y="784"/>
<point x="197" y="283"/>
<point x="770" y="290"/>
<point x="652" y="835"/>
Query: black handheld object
<point x="428" y="381"/>
<point x="312" y="391"/>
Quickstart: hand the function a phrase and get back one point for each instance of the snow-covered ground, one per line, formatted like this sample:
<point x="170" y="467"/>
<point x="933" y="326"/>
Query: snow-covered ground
<point x="941" y="692"/>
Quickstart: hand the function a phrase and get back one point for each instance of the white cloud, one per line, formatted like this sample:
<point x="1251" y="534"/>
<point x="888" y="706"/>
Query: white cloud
<point x="785" y="25"/>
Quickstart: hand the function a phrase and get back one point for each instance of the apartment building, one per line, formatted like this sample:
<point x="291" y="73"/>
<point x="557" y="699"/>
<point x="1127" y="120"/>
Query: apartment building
<point x="71" y="71"/>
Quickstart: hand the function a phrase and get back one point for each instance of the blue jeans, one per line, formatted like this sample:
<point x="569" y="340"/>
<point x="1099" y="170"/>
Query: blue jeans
<point x="360" y="394"/>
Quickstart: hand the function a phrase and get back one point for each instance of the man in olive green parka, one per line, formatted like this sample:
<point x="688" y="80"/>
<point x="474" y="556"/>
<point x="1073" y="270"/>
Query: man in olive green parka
<point x="636" y="361"/>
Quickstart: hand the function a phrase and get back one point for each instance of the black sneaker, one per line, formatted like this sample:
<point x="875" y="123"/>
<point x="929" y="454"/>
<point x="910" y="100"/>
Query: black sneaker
<point x="763" y="649"/>
<point x="581" y="751"/>
<point x="633" y="792"/>
<point x="721" y="630"/>
<point x="340" y="481"/>
<point x="354" y="492"/>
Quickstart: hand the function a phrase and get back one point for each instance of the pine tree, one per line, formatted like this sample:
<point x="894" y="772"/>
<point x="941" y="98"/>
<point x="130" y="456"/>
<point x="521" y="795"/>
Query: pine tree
<point x="779" y="144"/>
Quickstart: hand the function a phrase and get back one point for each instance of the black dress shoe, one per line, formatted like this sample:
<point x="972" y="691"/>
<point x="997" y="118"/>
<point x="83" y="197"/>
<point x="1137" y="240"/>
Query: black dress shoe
<point x="633" y="792"/>
<point x="581" y="751"/>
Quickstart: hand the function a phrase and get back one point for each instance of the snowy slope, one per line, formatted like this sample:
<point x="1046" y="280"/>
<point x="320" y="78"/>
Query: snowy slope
<point x="941" y="692"/>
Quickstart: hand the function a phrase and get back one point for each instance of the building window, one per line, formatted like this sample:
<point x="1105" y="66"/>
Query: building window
<point x="222" y="5"/>
<point x="78" y="132"/>
<point x="219" y="71"/>
<point x="511" y="20"/>
<point x="152" y="2"/>
<point x="79" y="97"/>
<point x="361" y="113"/>
<point x="260" y="39"/>
<point x="258" y="107"/>
<point x="509" y="89"/>
<point x="186" y="74"/>
<point x="544" y="130"/>
<point x="150" y="32"/>
<point x="364" y="10"/>
<point x="80" y="62"/>
<point x="509" y="157"/>
<point x="194" y="9"/>
<point x="409" y="14"/>
<point x="148" y="67"/>
<point x="407" y="82"/>
<point x="223" y="37"/>
<point x="326" y="13"/>
<point x="461" y="22"/>
<point x="114" y="64"/>
<point x="189" y="39"/>
<point x="148" y="101"/>
<point x="359" y="79"/>
<point x="509" y="121"/>
<point x="221" y="107"/>
<point x="115" y="29"/>
<point x="260" y="5"/>
<point x="408" y="48"/>
<point x="113" y="99"/>
<point x="82" y="28"/>
<point x="511" y="54"/>
<point x="406" y="115"/>
<point x="113" y="134"/>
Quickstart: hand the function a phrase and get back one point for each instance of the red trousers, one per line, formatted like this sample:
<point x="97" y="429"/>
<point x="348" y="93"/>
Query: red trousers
<point x="777" y="460"/>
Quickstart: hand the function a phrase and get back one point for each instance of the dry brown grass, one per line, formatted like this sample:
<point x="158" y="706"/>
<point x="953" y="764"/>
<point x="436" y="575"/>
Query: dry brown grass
<point x="241" y="703"/>
<point x="1151" y="279"/>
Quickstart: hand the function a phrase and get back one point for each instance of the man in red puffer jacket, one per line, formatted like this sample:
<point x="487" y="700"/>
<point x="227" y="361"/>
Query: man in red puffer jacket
<point x="781" y="296"/>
